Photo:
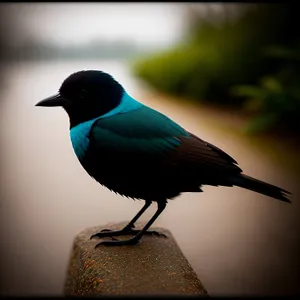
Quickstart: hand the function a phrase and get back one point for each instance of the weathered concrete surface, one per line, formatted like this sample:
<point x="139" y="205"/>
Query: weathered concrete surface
<point x="155" y="266"/>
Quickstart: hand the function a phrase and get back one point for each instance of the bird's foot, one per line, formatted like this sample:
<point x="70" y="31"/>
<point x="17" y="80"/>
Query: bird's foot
<point x="115" y="242"/>
<point x="108" y="233"/>
<point x="124" y="231"/>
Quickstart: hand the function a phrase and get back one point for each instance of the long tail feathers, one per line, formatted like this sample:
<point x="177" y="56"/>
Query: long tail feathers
<point x="261" y="187"/>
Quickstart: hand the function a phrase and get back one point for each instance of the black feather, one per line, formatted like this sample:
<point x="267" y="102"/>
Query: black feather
<point x="261" y="187"/>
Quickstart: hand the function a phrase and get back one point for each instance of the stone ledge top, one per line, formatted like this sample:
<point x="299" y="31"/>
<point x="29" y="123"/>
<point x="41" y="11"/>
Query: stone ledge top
<point x="155" y="266"/>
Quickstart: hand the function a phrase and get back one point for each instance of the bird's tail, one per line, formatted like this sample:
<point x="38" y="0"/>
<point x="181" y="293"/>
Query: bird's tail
<point x="261" y="187"/>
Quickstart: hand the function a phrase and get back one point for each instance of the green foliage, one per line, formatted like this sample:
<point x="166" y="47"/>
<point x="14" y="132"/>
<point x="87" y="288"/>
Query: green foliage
<point x="236" y="53"/>
<point x="218" y="56"/>
<point x="276" y="99"/>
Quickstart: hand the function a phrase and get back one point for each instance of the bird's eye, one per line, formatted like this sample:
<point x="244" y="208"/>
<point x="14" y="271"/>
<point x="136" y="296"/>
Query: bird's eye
<point x="82" y="94"/>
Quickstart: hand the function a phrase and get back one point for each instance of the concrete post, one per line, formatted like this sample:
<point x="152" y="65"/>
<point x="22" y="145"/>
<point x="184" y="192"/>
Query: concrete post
<point x="155" y="266"/>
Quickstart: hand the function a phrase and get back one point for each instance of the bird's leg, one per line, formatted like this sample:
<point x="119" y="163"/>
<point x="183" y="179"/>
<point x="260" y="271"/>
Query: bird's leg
<point x="126" y="229"/>
<point x="134" y="240"/>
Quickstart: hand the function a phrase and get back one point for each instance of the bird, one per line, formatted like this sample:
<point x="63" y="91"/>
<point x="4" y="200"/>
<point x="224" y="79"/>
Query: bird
<point x="137" y="152"/>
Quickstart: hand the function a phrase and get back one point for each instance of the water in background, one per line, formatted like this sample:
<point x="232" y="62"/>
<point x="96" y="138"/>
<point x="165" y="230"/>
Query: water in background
<point x="238" y="242"/>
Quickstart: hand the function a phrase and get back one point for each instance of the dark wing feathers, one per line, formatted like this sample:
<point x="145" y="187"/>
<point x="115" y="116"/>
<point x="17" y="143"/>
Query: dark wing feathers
<point x="227" y="157"/>
<point x="200" y="155"/>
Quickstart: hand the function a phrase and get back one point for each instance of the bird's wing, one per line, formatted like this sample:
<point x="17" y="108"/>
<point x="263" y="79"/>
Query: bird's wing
<point x="144" y="132"/>
<point x="147" y="134"/>
<point x="195" y="155"/>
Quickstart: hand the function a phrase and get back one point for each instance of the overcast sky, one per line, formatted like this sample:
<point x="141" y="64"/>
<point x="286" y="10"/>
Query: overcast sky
<point x="65" y="23"/>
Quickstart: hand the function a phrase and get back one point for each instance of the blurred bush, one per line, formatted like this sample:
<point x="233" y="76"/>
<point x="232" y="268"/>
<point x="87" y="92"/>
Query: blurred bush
<point x="219" y="55"/>
<point x="276" y="99"/>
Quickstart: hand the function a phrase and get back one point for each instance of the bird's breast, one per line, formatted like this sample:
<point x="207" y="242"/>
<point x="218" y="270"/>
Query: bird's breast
<point x="80" y="138"/>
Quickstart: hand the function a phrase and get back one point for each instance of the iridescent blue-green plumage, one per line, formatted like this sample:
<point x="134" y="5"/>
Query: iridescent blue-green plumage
<point x="80" y="133"/>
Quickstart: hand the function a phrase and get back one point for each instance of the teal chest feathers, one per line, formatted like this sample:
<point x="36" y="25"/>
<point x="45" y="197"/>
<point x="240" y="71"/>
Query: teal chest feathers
<point x="80" y="138"/>
<point x="80" y="134"/>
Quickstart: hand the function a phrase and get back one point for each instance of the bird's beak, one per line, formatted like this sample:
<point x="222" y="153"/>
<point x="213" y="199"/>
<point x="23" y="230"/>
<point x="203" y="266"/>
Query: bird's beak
<point x="55" y="100"/>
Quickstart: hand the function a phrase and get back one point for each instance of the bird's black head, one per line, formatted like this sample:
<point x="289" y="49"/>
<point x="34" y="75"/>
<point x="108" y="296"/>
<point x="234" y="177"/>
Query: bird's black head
<point x="85" y="95"/>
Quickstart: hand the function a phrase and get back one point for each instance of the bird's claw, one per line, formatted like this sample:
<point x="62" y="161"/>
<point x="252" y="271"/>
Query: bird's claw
<point x="125" y="231"/>
<point x="107" y="233"/>
<point x="105" y="230"/>
<point x="116" y="242"/>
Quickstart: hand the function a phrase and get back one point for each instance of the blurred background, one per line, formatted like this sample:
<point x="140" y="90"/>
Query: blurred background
<point x="227" y="72"/>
